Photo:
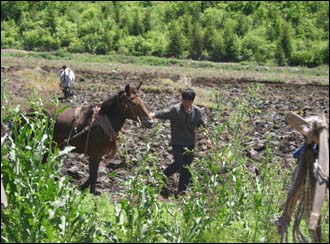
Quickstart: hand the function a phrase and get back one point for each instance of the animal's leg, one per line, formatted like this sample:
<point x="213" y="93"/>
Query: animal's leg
<point x="110" y="156"/>
<point x="112" y="153"/>
<point x="93" y="168"/>
<point x="85" y="184"/>
<point x="94" y="162"/>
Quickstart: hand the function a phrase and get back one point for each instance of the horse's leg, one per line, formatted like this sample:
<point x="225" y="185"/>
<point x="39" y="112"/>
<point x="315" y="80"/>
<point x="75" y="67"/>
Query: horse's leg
<point x="93" y="168"/>
<point x="112" y="153"/>
<point x="85" y="184"/>
<point x="94" y="162"/>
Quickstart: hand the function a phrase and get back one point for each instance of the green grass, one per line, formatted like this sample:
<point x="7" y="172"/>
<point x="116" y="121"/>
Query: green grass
<point x="42" y="205"/>
<point x="227" y="202"/>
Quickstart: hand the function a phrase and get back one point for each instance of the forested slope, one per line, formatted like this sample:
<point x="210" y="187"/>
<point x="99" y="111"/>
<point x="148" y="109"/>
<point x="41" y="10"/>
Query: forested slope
<point x="283" y="33"/>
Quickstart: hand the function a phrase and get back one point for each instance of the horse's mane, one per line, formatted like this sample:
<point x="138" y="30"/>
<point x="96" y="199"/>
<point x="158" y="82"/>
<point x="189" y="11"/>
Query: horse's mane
<point x="107" y="105"/>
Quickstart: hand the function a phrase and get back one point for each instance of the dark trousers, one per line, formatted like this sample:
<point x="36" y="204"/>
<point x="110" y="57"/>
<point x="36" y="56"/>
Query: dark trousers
<point x="183" y="156"/>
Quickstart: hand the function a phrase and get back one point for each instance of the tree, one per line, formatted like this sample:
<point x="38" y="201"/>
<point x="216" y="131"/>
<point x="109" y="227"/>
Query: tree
<point x="117" y="10"/>
<point x="13" y="9"/>
<point x="157" y="41"/>
<point x="207" y="38"/>
<point x="326" y="55"/>
<point x="66" y="32"/>
<point x="147" y="21"/>
<point x="254" y="47"/>
<point x="286" y="32"/>
<point x="31" y="39"/>
<point x="279" y="54"/>
<point x="231" y="44"/>
<point x="137" y="27"/>
<point x="218" y="47"/>
<point x="196" y="42"/>
<point x="51" y="19"/>
<point x="286" y="40"/>
<point x="284" y="44"/>
<point x="9" y="34"/>
<point x="174" y="48"/>
<point x="242" y="25"/>
<point x="208" y="4"/>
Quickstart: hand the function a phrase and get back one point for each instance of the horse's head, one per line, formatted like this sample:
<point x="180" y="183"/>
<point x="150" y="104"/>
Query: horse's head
<point x="134" y="106"/>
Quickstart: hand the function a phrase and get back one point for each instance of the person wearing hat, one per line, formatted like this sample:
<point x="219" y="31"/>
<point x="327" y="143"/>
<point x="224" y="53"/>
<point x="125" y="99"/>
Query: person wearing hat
<point x="184" y="118"/>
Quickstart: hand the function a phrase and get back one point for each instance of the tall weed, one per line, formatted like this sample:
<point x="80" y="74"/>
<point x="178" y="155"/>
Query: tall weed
<point x="42" y="206"/>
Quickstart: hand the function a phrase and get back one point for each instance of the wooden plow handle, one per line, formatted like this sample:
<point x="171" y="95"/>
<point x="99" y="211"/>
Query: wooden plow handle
<point x="322" y="178"/>
<point x="315" y="131"/>
<point x="297" y="122"/>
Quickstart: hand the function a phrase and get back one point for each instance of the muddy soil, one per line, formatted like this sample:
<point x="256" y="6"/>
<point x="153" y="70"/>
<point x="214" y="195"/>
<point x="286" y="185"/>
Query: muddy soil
<point x="274" y="102"/>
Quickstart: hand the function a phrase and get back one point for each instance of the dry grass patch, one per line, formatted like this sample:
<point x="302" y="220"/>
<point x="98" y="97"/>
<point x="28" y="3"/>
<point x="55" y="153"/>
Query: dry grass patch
<point x="96" y="87"/>
<point x="162" y="85"/>
<point x="37" y="79"/>
<point x="205" y="97"/>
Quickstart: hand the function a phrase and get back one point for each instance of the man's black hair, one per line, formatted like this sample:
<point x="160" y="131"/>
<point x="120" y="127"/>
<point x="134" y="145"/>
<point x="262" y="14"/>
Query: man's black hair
<point x="64" y="67"/>
<point x="188" y="94"/>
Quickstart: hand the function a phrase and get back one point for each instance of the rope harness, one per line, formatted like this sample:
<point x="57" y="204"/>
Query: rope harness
<point x="310" y="179"/>
<point x="101" y="120"/>
<point x="97" y="119"/>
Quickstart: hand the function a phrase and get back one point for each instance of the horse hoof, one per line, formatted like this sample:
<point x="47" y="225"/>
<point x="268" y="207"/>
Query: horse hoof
<point x="165" y="192"/>
<point x="83" y="187"/>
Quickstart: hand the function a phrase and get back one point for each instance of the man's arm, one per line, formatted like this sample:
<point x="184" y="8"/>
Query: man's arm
<point x="166" y="114"/>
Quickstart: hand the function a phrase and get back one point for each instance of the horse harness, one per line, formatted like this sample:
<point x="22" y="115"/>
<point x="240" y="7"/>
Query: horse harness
<point x="97" y="119"/>
<point x="127" y="108"/>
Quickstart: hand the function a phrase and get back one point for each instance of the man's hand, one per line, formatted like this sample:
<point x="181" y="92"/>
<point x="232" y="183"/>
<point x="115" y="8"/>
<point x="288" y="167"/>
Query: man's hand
<point x="151" y="115"/>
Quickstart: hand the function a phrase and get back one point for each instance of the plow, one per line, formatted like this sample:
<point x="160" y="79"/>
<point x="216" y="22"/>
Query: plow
<point x="310" y="179"/>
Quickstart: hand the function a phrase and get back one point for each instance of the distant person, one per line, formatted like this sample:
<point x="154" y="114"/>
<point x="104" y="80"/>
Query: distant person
<point x="184" y="118"/>
<point x="67" y="77"/>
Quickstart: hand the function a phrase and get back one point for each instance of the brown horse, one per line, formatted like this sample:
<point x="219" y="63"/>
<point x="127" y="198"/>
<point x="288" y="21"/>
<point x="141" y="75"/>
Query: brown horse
<point x="93" y="130"/>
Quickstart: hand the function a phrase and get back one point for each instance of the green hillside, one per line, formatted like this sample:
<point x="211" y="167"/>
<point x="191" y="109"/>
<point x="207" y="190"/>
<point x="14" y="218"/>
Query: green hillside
<point x="283" y="33"/>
